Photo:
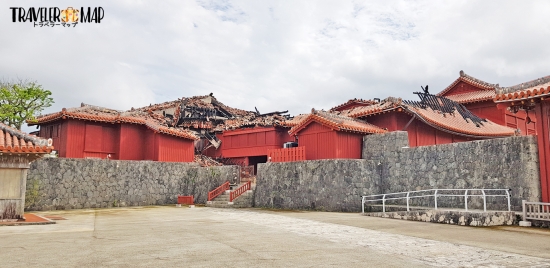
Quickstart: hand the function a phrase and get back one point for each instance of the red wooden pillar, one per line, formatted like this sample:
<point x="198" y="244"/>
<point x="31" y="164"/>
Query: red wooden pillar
<point x="544" y="149"/>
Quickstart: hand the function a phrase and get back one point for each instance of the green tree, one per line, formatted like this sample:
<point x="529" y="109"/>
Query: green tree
<point x="22" y="100"/>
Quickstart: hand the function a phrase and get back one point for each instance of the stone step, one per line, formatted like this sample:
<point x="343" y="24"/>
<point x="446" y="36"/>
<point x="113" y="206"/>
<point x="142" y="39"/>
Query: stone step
<point x="218" y="202"/>
<point x="222" y="201"/>
<point x="222" y="198"/>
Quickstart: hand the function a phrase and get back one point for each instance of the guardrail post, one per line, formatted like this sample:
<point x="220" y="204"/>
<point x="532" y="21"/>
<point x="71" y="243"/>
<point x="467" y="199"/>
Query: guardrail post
<point x="384" y="203"/>
<point x="363" y="204"/>
<point x="466" y="200"/>
<point x="435" y="197"/>
<point x="508" y="195"/>
<point x="529" y="207"/>
<point x="524" y="211"/>
<point x="484" y="201"/>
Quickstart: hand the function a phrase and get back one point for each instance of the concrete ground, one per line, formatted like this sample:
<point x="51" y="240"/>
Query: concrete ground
<point x="210" y="237"/>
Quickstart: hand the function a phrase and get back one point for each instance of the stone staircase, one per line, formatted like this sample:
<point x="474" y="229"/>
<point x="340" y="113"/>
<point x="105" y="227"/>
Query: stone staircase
<point x="245" y="200"/>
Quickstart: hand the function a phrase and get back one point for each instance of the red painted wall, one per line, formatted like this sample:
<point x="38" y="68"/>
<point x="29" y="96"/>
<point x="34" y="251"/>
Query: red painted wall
<point x="324" y="143"/>
<point x="420" y="134"/>
<point x="101" y="140"/>
<point x="150" y="146"/>
<point x="76" y="130"/>
<point x="173" y="149"/>
<point x="132" y="140"/>
<point x="253" y="141"/>
<point x="542" y="114"/>
<point x="489" y="110"/>
<point x="348" y="145"/>
<point x="462" y="87"/>
<point x="83" y="139"/>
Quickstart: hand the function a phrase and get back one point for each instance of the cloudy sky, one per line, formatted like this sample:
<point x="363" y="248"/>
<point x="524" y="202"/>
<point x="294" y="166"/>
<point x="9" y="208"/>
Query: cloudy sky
<point x="275" y="55"/>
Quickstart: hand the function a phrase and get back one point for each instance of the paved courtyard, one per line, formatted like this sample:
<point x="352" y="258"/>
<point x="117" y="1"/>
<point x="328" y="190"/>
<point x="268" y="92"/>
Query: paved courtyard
<point x="209" y="237"/>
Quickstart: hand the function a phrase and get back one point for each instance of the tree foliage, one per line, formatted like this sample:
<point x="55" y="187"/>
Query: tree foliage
<point x="22" y="100"/>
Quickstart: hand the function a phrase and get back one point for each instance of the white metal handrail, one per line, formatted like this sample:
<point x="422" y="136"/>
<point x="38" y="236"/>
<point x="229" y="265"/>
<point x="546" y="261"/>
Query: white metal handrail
<point x="536" y="211"/>
<point x="436" y="193"/>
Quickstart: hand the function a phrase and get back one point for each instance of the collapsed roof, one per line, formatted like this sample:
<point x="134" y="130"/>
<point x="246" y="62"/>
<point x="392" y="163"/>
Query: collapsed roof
<point x="207" y="113"/>
<point x="185" y="117"/>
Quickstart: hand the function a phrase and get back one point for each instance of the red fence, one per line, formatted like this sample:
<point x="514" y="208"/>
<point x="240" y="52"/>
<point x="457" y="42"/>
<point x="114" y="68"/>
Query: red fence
<point x="239" y="191"/>
<point x="218" y="191"/>
<point x="186" y="199"/>
<point x="287" y="154"/>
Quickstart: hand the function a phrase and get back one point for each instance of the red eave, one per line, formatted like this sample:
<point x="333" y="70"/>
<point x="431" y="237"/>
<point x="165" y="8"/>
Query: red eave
<point x="531" y="93"/>
<point x="470" y="97"/>
<point x="351" y="125"/>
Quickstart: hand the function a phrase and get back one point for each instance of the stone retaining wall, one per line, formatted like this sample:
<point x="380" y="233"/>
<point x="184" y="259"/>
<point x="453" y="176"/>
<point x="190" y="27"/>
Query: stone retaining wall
<point x="330" y="185"/>
<point x="507" y="163"/>
<point x="464" y="218"/>
<point x="390" y="166"/>
<point x="61" y="183"/>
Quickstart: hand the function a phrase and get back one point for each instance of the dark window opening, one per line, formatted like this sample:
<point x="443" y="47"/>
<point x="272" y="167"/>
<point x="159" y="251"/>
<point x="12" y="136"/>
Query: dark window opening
<point x="255" y="160"/>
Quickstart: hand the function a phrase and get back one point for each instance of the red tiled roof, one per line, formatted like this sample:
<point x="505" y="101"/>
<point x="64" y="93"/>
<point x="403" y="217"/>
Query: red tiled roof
<point x="470" y="97"/>
<point x="387" y="104"/>
<point x="453" y="123"/>
<point x="100" y="114"/>
<point x="84" y="112"/>
<point x="336" y="122"/>
<point x="170" y="131"/>
<point x="457" y="124"/>
<point x="294" y="121"/>
<point x="538" y="88"/>
<point x="357" y="102"/>
<point x="15" y="141"/>
<point x="470" y="80"/>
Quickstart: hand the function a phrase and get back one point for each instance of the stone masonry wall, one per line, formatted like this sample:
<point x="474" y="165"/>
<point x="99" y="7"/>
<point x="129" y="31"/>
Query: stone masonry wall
<point x="61" y="183"/>
<point x="507" y="163"/>
<point x="390" y="166"/>
<point x="329" y="185"/>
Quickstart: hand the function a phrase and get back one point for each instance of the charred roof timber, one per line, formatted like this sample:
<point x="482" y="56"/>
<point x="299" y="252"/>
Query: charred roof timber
<point x="444" y="105"/>
<point x="274" y="113"/>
